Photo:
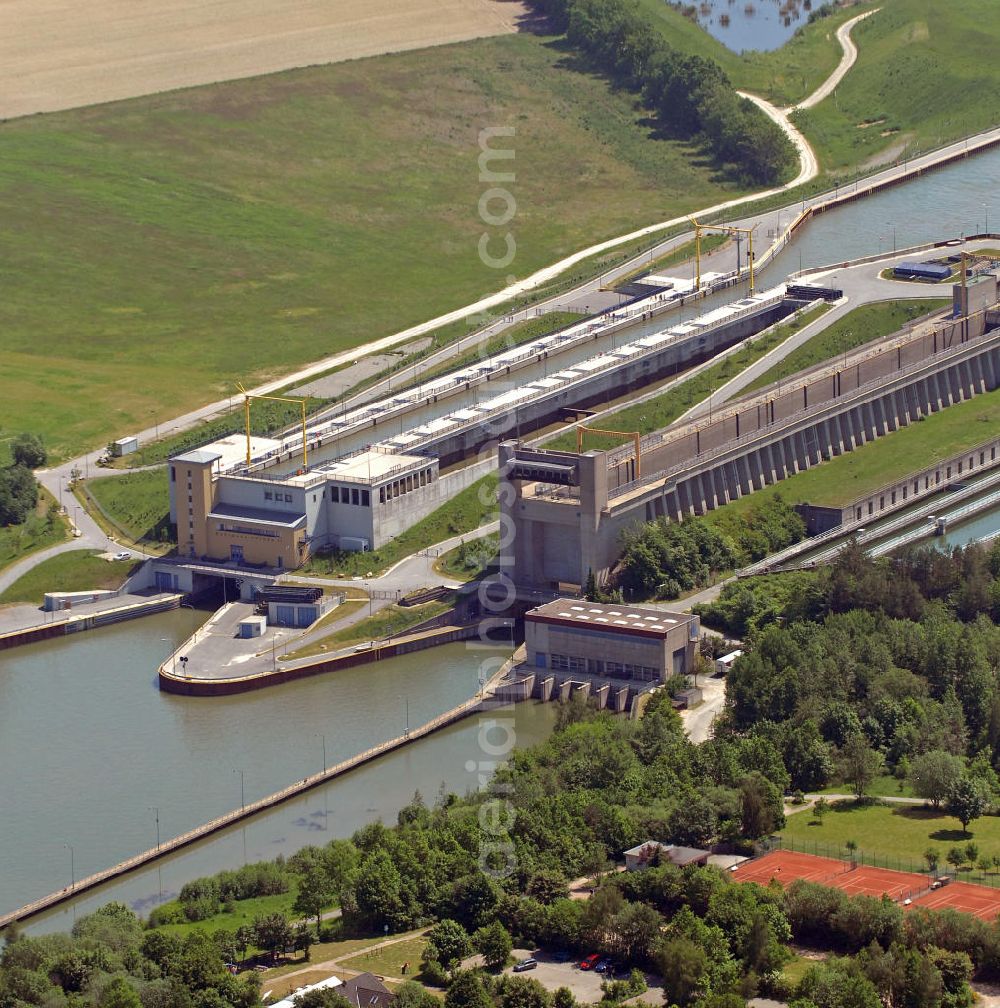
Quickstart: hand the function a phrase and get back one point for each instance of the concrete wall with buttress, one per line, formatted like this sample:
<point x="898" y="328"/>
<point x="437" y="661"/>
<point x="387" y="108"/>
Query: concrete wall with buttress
<point x="567" y="511"/>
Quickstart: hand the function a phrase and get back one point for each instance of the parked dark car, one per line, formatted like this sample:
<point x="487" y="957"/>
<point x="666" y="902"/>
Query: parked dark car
<point x="525" y="964"/>
<point x="603" y="966"/>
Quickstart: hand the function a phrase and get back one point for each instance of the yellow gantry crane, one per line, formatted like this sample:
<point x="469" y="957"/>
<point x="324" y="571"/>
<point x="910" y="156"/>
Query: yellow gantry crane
<point x="246" y="412"/>
<point x="725" y="229"/>
<point x="634" y="435"/>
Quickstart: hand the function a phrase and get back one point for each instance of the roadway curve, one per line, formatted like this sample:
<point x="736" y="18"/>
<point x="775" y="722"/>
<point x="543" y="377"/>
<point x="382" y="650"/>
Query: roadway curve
<point x="846" y="62"/>
<point x="92" y="535"/>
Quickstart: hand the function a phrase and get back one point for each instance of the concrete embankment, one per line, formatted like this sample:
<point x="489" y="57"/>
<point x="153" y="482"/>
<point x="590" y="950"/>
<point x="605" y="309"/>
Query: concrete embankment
<point x="104" y="616"/>
<point x="172" y="681"/>
<point x="457" y="713"/>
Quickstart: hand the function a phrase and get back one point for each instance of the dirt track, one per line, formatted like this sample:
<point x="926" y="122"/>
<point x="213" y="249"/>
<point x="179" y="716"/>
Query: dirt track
<point x="58" y="54"/>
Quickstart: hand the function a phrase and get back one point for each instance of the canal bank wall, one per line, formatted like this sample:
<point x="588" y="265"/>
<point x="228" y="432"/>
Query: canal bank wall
<point x="481" y="702"/>
<point x="172" y="681"/>
<point x="88" y="621"/>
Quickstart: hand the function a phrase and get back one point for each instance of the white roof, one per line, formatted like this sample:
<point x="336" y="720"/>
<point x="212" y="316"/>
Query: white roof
<point x="233" y="448"/>
<point x="370" y="465"/>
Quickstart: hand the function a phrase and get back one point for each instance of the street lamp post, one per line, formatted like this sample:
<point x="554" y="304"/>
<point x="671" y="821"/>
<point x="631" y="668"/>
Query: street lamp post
<point x="323" y="737"/>
<point x="986" y="211"/>
<point x="156" y="809"/>
<point x="72" y="866"/>
<point x="406" y="699"/>
<point x="243" y="803"/>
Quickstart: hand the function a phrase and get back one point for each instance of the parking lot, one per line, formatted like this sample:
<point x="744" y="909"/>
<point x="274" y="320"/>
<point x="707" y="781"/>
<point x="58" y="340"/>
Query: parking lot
<point x="585" y="984"/>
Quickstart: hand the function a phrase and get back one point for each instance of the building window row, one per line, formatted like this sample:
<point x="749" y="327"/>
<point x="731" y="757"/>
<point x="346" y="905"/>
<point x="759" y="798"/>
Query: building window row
<point x="277" y="496"/>
<point x="349" y="495"/>
<point x="234" y="530"/>
<point x="595" y="666"/>
<point x="568" y="663"/>
<point x="405" y="485"/>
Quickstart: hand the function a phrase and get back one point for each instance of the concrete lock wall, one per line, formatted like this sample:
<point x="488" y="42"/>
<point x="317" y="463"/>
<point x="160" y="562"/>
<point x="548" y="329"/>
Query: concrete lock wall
<point x="826" y="412"/>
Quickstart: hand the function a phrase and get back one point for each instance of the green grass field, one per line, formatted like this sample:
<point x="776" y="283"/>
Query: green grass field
<point x="926" y="73"/>
<point x="388" y="961"/>
<point x="243" y="913"/>
<point x="138" y="503"/>
<point x="885" y="786"/>
<point x="39" y="532"/>
<point x="898" y="831"/>
<point x="470" y="559"/>
<point x="160" y="249"/>
<point x="865" y="323"/>
<point x="74" y="570"/>
<point x="388" y="622"/>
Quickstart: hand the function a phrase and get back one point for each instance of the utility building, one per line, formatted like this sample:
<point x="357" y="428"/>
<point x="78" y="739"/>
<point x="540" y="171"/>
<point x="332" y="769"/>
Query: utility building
<point x="355" y="503"/>
<point x="616" y="641"/>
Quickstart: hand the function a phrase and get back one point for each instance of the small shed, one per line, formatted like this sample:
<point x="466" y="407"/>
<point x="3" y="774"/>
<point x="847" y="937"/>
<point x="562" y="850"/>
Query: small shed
<point x="652" y="852"/>
<point x="252" y="626"/>
<point x="922" y="271"/>
<point x="126" y="445"/>
<point x="726" y="662"/>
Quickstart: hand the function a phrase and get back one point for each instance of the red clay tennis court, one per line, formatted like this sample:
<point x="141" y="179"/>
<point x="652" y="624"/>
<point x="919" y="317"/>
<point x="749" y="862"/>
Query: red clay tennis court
<point x="786" y="866"/>
<point x="980" y="901"/>
<point x="868" y="881"/>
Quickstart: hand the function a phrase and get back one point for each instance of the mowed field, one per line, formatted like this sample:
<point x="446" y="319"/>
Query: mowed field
<point x="55" y="55"/>
<point x="157" y="250"/>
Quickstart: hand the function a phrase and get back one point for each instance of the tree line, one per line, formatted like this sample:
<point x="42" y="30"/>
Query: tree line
<point x="691" y="95"/>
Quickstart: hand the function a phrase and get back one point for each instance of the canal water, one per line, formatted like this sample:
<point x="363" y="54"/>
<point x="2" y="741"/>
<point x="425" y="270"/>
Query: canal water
<point x="948" y="202"/>
<point x="743" y="25"/>
<point x="91" y="750"/>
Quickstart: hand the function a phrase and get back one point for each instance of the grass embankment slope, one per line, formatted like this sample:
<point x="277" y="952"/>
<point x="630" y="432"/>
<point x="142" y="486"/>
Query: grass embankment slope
<point x="784" y="75"/>
<point x="135" y="503"/>
<point x="470" y="508"/>
<point x="74" y="570"/>
<point x="160" y="248"/>
<point x="44" y="528"/>
<point x="889" y="458"/>
<point x="926" y="73"/>
<point x="857" y="327"/>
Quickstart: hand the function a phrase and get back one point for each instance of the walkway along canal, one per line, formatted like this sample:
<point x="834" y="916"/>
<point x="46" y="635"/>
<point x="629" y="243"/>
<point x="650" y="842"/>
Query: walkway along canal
<point x="115" y="748"/>
<point x="483" y="702"/>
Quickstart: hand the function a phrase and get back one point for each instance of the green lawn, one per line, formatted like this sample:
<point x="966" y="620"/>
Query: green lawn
<point x="865" y="323"/>
<point x="885" y="786"/>
<point x="470" y="559"/>
<point x="137" y="503"/>
<point x="243" y="912"/>
<point x="388" y="961"/>
<point x="464" y="513"/>
<point x="889" y="833"/>
<point x="388" y="622"/>
<point x="847" y="477"/>
<point x="926" y="73"/>
<point x="159" y="249"/>
<point x="75" y="570"/>
<point x="657" y="412"/>
<point x="40" y="531"/>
